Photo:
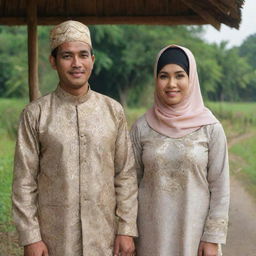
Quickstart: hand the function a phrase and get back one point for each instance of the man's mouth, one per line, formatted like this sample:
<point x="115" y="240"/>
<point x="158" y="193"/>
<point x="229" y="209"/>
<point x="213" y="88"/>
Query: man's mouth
<point x="76" y="74"/>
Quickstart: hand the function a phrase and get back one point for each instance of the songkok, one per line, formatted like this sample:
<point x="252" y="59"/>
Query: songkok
<point x="69" y="31"/>
<point x="173" y="55"/>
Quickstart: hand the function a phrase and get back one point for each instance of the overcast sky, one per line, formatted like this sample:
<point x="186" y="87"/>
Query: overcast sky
<point x="233" y="36"/>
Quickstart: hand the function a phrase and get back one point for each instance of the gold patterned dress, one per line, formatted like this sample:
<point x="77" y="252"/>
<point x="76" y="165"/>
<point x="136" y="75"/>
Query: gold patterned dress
<point x="74" y="173"/>
<point x="183" y="189"/>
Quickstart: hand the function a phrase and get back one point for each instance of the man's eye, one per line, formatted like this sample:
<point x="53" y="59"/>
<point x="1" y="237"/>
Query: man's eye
<point x="66" y="56"/>
<point x="85" y="55"/>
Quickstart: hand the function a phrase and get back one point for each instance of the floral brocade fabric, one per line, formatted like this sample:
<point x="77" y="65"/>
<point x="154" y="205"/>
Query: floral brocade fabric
<point x="74" y="175"/>
<point x="183" y="189"/>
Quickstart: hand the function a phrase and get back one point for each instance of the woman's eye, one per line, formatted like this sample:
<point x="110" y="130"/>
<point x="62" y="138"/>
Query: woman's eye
<point x="163" y="77"/>
<point x="179" y="76"/>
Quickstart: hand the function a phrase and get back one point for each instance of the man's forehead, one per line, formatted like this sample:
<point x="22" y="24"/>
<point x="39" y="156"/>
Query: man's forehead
<point x="74" y="46"/>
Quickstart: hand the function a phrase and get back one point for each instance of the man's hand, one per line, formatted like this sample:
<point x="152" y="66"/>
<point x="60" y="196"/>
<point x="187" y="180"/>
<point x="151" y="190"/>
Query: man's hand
<point x="124" y="246"/>
<point x="36" y="249"/>
<point x="207" y="249"/>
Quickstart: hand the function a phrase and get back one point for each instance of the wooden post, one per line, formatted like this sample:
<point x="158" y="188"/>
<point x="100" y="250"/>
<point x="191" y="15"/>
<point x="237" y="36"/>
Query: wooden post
<point x="32" y="50"/>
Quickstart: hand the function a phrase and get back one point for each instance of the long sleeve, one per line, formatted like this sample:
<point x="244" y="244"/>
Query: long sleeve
<point x="137" y="149"/>
<point x="215" y="229"/>
<point x="125" y="181"/>
<point x="26" y="167"/>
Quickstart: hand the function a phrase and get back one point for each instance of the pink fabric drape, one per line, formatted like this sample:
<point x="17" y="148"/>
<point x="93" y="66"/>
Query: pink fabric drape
<point x="185" y="117"/>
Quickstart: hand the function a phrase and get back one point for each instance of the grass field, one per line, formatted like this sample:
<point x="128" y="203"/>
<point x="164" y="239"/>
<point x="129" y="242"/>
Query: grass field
<point x="237" y="118"/>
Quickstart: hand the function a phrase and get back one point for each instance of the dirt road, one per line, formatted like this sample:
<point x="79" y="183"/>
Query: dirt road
<point x="242" y="223"/>
<point x="242" y="218"/>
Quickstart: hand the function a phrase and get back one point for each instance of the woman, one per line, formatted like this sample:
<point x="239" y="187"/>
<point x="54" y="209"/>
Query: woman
<point x="182" y="165"/>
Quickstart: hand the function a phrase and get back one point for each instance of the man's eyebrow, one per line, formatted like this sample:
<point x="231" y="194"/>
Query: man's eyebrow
<point x="84" y="51"/>
<point x="65" y="52"/>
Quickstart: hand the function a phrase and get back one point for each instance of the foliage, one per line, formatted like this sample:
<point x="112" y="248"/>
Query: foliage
<point x="10" y="110"/>
<point x="13" y="62"/>
<point x="125" y="56"/>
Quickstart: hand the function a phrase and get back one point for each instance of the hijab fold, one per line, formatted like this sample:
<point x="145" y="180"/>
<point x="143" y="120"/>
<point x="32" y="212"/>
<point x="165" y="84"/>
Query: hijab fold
<point x="189" y="115"/>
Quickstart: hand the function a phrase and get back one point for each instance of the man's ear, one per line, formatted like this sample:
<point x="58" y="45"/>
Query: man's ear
<point x="93" y="60"/>
<point x="52" y="61"/>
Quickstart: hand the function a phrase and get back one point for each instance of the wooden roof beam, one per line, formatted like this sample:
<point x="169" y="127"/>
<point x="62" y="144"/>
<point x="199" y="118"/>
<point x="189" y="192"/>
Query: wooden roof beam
<point x="195" y="6"/>
<point x="94" y="20"/>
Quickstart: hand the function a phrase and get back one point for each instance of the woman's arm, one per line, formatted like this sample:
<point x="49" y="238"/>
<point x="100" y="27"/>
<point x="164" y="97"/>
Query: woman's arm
<point x="215" y="229"/>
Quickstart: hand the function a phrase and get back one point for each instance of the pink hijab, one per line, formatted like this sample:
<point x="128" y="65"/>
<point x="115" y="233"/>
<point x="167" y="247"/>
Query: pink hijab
<point x="185" y="117"/>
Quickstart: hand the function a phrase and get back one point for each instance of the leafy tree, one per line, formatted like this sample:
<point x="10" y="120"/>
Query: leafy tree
<point x="128" y="54"/>
<point x="13" y="62"/>
<point x="248" y="50"/>
<point x="125" y="57"/>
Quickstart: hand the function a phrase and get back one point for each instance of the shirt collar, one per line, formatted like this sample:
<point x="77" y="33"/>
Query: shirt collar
<point x="76" y="100"/>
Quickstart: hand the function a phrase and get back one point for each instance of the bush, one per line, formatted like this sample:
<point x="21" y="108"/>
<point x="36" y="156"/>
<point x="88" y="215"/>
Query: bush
<point x="10" y="110"/>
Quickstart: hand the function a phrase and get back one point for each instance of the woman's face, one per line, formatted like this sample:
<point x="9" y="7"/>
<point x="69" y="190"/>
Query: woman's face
<point x="172" y="84"/>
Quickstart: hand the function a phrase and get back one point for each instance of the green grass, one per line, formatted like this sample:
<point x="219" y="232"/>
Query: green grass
<point x="245" y="168"/>
<point x="240" y="112"/>
<point x="133" y="114"/>
<point x="9" y="114"/>
<point x="247" y="108"/>
<point x="8" y="236"/>
<point x="10" y="110"/>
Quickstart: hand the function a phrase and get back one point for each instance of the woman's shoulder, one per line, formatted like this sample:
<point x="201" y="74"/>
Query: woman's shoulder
<point x="215" y="130"/>
<point x="140" y="123"/>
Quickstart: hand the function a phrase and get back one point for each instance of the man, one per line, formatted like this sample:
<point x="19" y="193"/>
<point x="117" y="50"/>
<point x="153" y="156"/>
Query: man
<point x="74" y="188"/>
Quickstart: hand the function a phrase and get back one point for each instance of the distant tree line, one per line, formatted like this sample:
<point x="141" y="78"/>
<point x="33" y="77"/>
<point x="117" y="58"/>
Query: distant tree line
<point x="125" y="58"/>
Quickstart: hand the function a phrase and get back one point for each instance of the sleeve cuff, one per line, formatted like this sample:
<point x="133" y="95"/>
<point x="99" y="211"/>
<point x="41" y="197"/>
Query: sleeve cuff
<point x="29" y="237"/>
<point x="215" y="230"/>
<point x="127" y="229"/>
<point x="213" y="239"/>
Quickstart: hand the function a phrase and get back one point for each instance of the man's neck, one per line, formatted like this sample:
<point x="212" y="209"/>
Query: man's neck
<point x="76" y="92"/>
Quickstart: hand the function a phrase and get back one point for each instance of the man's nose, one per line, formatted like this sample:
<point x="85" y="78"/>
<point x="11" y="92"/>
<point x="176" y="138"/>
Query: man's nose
<point x="76" y="62"/>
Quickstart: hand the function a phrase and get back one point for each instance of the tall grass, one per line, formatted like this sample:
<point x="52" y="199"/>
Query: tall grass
<point x="245" y="165"/>
<point x="241" y="116"/>
<point x="9" y="115"/>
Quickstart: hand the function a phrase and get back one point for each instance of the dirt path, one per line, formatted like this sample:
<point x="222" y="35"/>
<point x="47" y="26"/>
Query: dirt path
<point x="242" y="225"/>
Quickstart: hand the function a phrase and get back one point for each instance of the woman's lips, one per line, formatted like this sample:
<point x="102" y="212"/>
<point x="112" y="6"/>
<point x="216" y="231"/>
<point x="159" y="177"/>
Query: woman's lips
<point x="172" y="93"/>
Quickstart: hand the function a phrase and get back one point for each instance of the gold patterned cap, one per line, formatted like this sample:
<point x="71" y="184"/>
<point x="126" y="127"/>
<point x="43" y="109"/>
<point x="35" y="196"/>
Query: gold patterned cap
<point x="69" y="31"/>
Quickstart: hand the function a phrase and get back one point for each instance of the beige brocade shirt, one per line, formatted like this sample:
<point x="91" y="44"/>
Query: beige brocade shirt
<point x="183" y="189"/>
<point x="74" y="173"/>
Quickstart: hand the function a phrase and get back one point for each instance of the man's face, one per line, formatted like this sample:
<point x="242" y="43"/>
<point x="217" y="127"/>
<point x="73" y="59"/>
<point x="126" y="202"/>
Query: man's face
<point x="74" y="64"/>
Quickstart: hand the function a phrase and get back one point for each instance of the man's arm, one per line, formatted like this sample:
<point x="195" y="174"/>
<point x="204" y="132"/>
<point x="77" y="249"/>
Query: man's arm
<point x="24" y="194"/>
<point x="126" y="189"/>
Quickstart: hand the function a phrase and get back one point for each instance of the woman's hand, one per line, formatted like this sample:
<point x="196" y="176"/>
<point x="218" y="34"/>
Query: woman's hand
<point x="207" y="249"/>
<point x="36" y="249"/>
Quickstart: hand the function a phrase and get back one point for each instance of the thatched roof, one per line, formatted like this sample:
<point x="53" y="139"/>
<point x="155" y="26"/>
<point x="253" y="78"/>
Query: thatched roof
<point x="167" y="12"/>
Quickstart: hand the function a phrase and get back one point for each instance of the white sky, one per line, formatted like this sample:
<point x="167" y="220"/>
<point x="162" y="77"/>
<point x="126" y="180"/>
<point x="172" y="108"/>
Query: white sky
<point x="233" y="36"/>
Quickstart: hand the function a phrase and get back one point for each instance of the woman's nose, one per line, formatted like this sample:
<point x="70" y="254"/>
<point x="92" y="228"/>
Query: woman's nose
<point x="172" y="83"/>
